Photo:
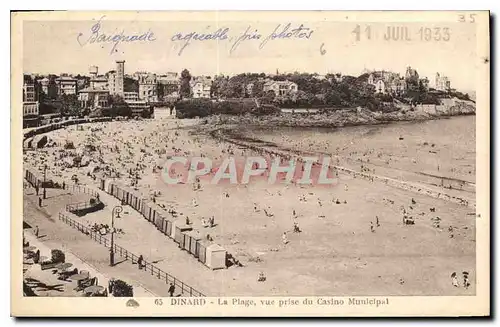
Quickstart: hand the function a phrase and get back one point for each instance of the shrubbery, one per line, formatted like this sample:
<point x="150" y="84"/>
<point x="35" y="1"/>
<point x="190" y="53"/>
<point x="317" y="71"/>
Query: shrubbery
<point x="122" y="289"/>
<point x="190" y="108"/>
<point x="57" y="256"/>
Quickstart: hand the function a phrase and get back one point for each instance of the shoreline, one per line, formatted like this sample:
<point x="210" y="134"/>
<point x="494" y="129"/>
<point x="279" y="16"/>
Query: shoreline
<point x="335" y="120"/>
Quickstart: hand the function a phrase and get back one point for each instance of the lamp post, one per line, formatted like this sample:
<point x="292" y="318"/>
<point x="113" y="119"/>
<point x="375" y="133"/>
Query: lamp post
<point x="44" y="181"/>
<point x="116" y="211"/>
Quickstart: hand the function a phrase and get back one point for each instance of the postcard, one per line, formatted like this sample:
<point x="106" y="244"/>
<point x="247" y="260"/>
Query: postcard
<point x="256" y="164"/>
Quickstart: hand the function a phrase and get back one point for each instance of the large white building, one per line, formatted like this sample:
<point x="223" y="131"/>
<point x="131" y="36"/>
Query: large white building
<point x="387" y="82"/>
<point x="130" y="96"/>
<point x="66" y="85"/>
<point x="281" y="88"/>
<point x="116" y="78"/>
<point x="93" y="98"/>
<point x="442" y="83"/>
<point x="200" y="86"/>
<point x="148" y="86"/>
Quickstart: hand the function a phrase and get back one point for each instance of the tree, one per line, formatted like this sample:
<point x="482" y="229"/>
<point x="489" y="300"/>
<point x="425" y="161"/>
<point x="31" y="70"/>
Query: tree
<point x="57" y="256"/>
<point x="130" y="85"/>
<point x="185" y="89"/>
<point x="269" y="96"/>
<point x="122" y="289"/>
<point x="69" y="104"/>
<point x="118" y="107"/>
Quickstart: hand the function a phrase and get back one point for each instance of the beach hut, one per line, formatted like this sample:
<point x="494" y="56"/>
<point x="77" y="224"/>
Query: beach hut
<point x="201" y="250"/>
<point x="194" y="237"/>
<point x="159" y="221"/>
<point x="215" y="257"/>
<point x="164" y="226"/>
<point x="189" y="240"/>
<point x="108" y="183"/>
<point x="179" y="229"/>
<point x="170" y="230"/>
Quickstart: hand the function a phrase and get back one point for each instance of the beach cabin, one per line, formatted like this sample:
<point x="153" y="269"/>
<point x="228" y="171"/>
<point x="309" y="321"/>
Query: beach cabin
<point x="179" y="229"/>
<point x="215" y="257"/>
<point x="190" y="240"/>
<point x="201" y="250"/>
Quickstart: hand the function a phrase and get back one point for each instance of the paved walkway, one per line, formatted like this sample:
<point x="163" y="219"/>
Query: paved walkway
<point x="56" y="234"/>
<point x="45" y="250"/>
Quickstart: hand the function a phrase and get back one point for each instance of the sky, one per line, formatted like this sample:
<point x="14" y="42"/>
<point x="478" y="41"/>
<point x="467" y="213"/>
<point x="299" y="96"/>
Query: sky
<point x="321" y="46"/>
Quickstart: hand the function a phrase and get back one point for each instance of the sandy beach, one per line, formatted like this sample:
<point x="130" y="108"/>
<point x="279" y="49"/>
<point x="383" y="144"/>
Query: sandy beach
<point x="342" y="249"/>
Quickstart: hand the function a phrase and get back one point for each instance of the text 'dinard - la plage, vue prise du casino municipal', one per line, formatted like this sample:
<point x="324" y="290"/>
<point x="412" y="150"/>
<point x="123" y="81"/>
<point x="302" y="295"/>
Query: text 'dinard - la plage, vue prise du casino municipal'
<point x="250" y="163"/>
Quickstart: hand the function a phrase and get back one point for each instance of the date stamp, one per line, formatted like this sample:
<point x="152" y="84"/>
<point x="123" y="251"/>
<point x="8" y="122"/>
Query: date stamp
<point x="402" y="33"/>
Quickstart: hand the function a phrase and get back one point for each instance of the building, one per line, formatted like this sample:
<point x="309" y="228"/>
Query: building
<point x="116" y="78"/>
<point x="249" y="89"/>
<point x="31" y="114"/>
<point x="138" y="108"/>
<point x="338" y="77"/>
<point x="201" y="87"/>
<point x="442" y="83"/>
<point x="412" y="79"/>
<point x="163" y="113"/>
<point x="168" y="85"/>
<point x="148" y="86"/>
<point x="120" y="72"/>
<point x="130" y="96"/>
<point x="66" y="85"/>
<point x="48" y="88"/>
<point x="30" y="93"/>
<point x="387" y="82"/>
<point x="31" y="106"/>
<point x="280" y="88"/>
<point x="424" y="82"/>
<point x="93" y="71"/>
<point x="96" y="81"/>
<point x="93" y="98"/>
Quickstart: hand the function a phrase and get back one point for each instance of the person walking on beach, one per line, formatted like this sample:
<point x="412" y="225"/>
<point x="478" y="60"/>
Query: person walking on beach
<point x="171" y="290"/>
<point x="111" y="283"/>
<point x="466" y="280"/>
<point x="454" y="279"/>
<point x="284" y="238"/>
<point x="140" y="261"/>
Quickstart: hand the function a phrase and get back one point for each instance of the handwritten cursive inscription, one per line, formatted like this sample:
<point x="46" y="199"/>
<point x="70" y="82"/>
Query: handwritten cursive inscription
<point x="97" y="36"/>
<point x="185" y="39"/>
<point x="285" y="32"/>
<point x="247" y="35"/>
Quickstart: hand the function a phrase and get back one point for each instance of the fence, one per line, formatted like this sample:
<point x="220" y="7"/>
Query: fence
<point x="81" y="189"/>
<point x="82" y="208"/>
<point x="124" y="253"/>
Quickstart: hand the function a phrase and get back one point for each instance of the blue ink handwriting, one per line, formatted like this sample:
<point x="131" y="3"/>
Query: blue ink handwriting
<point x="247" y="35"/>
<point x="185" y="39"/>
<point x="96" y="36"/>
<point x="300" y="32"/>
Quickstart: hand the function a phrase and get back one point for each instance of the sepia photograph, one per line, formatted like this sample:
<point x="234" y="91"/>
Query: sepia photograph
<point x="331" y="160"/>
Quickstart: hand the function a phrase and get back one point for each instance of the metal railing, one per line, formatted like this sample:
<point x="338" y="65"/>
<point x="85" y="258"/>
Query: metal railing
<point x="124" y="253"/>
<point x="80" y="189"/>
<point x="73" y="207"/>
